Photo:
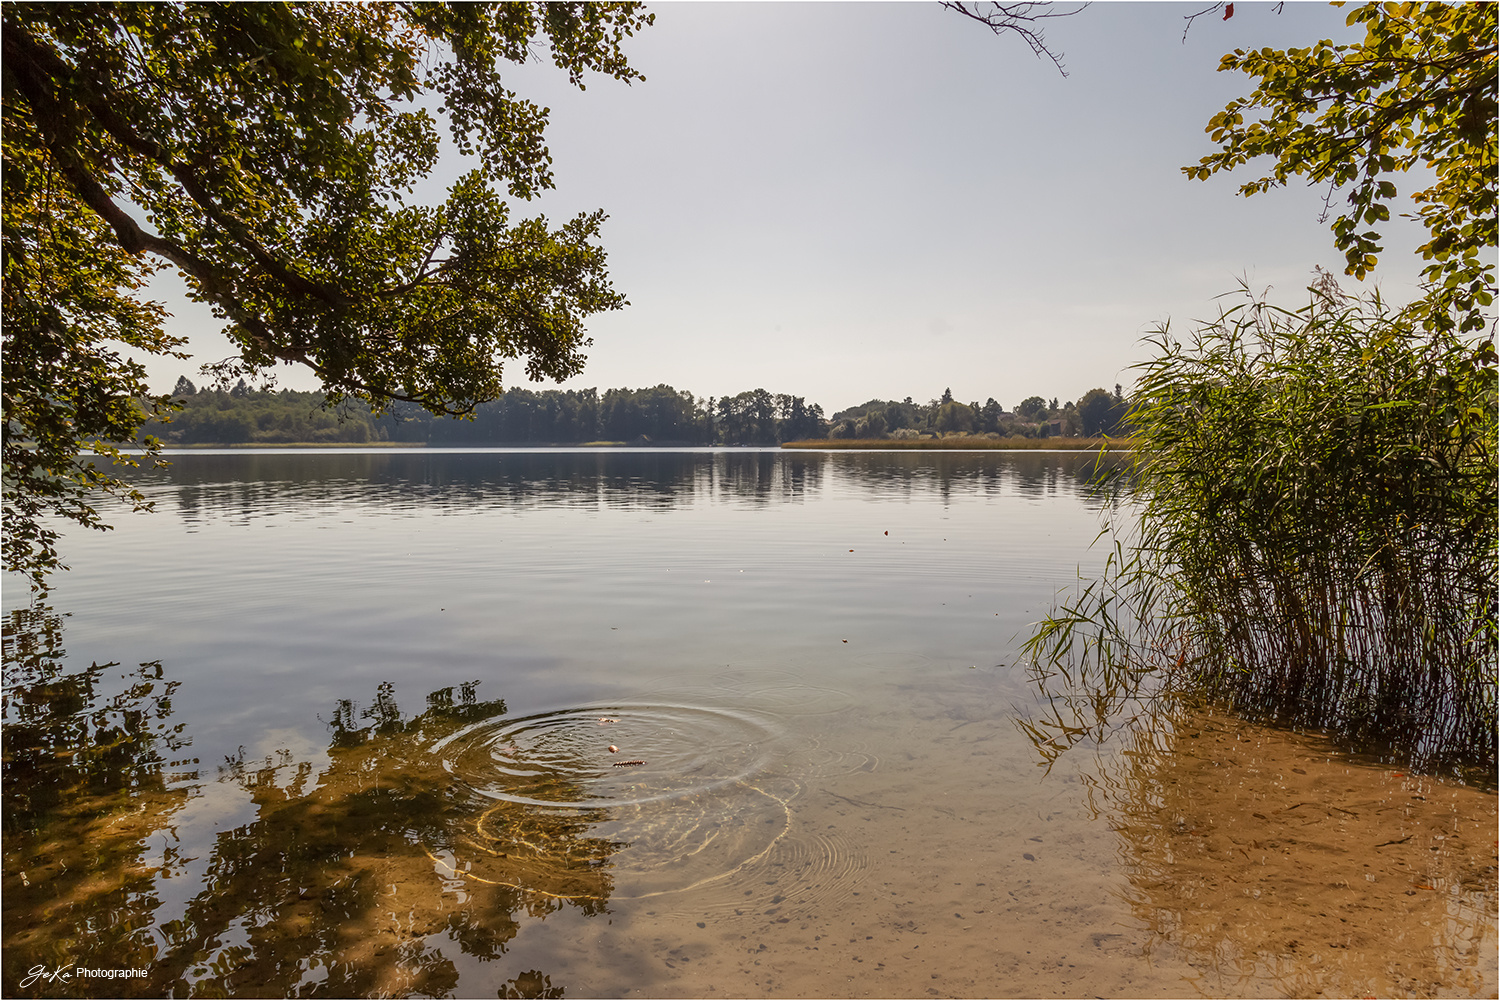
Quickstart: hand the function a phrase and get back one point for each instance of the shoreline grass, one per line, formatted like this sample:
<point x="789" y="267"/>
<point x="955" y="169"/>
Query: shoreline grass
<point x="967" y="443"/>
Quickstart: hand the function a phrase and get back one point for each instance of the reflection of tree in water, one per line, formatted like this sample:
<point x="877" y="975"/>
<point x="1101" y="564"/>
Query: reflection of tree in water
<point x="1032" y="473"/>
<point x="359" y="879"/>
<point x="531" y="984"/>
<point x="360" y="876"/>
<point x="89" y="777"/>
<point x="249" y="486"/>
<point x="766" y="477"/>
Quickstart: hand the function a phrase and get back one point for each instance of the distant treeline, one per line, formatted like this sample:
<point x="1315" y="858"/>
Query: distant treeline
<point x="1096" y="412"/>
<point x="658" y="415"/>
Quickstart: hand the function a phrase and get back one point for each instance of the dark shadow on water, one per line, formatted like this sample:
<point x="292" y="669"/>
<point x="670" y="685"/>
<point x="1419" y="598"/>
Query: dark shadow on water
<point x="365" y="875"/>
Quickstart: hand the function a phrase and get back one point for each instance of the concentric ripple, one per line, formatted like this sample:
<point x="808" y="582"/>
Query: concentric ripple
<point x="563" y="758"/>
<point x="554" y="811"/>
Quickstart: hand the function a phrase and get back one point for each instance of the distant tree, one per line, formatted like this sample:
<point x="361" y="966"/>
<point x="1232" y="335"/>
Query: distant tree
<point x="748" y="418"/>
<point x="798" y="420"/>
<point x="1033" y="408"/>
<point x="817" y="425"/>
<point x="727" y="421"/>
<point x="622" y="416"/>
<point x="184" y="387"/>
<point x="947" y="396"/>
<point x="1095" y="411"/>
<point x="850" y="413"/>
<point x="586" y="421"/>
<point x="763" y="415"/>
<point x="1052" y="407"/>
<point x="954" y="417"/>
<point x="709" y="431"/>
<point x="989" y="415"/>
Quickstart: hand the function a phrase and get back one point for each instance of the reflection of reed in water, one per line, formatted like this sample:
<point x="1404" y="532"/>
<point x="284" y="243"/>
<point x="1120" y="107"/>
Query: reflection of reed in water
<point x="1273" y="864"/>
<point x="1090" y="704"/>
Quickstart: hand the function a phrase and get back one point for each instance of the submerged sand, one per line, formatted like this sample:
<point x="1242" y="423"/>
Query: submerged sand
<point x="1227" y="860"/>
<point x="916" y="852"/>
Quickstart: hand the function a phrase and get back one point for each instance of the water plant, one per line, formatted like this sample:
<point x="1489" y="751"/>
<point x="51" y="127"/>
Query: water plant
<point x="1309" y="537"/>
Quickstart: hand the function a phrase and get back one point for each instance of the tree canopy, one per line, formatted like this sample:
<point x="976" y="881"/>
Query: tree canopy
<point x="1419" y="91"/>
<point x="269" y="152"/>
<point x="1033" y="408"/>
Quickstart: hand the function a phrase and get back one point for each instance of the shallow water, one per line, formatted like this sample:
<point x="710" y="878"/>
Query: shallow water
<point x="682" y="723"/>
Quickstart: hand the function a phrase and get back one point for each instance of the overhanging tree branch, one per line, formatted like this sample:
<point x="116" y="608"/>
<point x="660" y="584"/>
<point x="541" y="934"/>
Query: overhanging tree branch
<point x="258" y="148"/>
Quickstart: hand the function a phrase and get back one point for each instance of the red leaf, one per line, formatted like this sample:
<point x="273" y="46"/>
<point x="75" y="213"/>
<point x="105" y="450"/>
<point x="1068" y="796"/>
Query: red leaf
<point x="1228" y="11"/>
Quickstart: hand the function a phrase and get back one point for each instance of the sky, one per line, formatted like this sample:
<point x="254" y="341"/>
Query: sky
<point x="848" y="201"/>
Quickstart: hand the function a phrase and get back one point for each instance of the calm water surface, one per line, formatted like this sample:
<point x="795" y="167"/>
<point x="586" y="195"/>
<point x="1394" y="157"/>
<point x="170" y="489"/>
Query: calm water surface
<point x="606" y="723"/>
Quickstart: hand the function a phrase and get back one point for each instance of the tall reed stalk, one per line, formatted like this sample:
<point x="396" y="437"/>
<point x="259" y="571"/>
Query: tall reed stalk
<point x="1312" y="532"/>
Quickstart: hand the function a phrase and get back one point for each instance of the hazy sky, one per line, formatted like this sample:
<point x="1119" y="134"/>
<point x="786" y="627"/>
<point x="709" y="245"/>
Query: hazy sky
<point x="845" y="201"/>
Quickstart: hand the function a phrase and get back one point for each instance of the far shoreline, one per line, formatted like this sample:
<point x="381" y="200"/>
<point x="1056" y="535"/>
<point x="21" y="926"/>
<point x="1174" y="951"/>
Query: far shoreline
<point x="207" y="445"/>
<point x="969" y="443"/>
<point x="950" y="444"/>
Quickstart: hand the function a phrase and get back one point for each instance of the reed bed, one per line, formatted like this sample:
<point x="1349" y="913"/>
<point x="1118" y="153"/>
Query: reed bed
<point x="965" y="443"/>
<point x="1310" y="537"/>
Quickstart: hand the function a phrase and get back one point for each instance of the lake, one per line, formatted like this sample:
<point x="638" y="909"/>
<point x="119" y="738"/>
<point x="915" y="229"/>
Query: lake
<point x="677" y="723"/>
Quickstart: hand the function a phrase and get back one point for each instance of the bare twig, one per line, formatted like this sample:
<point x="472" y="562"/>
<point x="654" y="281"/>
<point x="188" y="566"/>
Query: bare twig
<point x="1020" y="18"/>
<point x="1227" y="8"/>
